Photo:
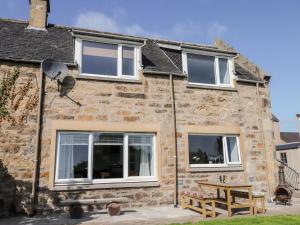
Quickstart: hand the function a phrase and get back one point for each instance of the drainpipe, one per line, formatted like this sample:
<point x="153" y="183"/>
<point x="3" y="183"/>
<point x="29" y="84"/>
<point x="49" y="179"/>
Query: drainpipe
<point x="174" y="141"/>
<point x="263" y="134"/>
<point x="38" y="142"/>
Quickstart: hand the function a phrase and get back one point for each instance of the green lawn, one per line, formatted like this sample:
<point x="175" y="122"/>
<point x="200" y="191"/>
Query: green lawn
<point x="266" y="220"/>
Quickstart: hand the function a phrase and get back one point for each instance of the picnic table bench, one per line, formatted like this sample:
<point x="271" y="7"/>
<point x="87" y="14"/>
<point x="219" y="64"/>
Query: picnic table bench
<point x="112" y="205"/>
<point x="227" y="188"/>
<point x="199" y="204"/>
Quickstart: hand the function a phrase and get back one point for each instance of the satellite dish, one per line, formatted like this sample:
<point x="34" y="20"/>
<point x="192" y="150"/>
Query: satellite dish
<point x="66" y="85"/>
<point x="54" y="69"/>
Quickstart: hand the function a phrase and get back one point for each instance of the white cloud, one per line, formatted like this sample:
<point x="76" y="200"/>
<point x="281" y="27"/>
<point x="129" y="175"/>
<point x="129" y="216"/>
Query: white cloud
<point x="217" y="29"/>
<point x="96" y="21"/>
<point x="186" y="30"/>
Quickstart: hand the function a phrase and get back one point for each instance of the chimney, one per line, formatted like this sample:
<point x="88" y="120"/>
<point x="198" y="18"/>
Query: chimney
<point x="39" y="10"/>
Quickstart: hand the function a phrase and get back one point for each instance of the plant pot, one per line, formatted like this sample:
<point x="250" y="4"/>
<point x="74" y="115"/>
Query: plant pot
<point x="29" y="210"/>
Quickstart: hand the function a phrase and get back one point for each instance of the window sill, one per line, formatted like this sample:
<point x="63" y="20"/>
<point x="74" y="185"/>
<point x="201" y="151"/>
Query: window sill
<point x="110" y="79"/>
<point x="210" y="87"/>
<point x="237" y="168"/>
<point x="76" y="187"/>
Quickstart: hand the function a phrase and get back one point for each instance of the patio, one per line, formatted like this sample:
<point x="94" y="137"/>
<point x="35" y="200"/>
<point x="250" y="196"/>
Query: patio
<point x="142" y="216"/>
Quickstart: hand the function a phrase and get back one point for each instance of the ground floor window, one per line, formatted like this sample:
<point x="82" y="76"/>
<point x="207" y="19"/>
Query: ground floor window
<point x="213" y="150"/>
<point x="283" y="157"/>
<point x="100" y="157"/>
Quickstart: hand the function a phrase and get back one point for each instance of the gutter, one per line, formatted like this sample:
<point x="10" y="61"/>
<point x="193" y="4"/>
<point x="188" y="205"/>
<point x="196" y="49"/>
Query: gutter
<point x="263" y="134"/>
<point x="174" y="141"/>
<point x="38" y="142"/>
<point x="250" y="81"/>
<point x="32" y="61"/>
<point x="107" y="35"/>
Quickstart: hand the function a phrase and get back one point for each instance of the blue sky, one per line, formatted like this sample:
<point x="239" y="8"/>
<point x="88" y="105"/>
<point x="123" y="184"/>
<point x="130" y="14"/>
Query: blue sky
<point x="267" y="32"/>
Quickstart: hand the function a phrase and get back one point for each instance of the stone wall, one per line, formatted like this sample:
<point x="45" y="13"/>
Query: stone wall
<point x="147" y="102"/>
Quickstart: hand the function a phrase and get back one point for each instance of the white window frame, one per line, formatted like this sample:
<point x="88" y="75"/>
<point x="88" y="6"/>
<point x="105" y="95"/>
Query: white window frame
<point x="216" y="68"/>
<point x="90" y="180"/>
<point x="136" y="60"/>
<point x="225" y="152"/>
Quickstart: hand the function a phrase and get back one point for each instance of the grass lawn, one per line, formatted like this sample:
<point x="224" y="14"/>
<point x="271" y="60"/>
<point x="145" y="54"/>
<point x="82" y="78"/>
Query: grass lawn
<point x="266" y="220"/>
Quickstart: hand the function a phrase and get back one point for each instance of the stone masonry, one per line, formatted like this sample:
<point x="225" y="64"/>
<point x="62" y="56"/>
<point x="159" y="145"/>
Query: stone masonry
<point x="148" y="101"/>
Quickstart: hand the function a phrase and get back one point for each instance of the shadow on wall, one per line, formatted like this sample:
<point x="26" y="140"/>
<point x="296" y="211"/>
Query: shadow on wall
<point x="15" y="197"/>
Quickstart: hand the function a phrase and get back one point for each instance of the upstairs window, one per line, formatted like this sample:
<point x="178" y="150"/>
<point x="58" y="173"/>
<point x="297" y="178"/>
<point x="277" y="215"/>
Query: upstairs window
<point x="213" y="150"/>
<point x="107" y="59"/>
<point x="207" y="69"/>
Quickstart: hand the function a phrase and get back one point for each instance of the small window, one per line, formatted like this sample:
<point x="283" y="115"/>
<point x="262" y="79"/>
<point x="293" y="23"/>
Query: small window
<point x="108" y="156"/>
<point x="98" y="58"/>
<point x="128" y="61"/>
<point x="213" y="150"/>
<point x="283" y="157"/>
<point x="201" y="69"/>
<point x="107" y="59"/>
<point x="207" y="70"/>
<point x="97" y="157"/>
<point x="140" y="157"/>
<point x="73" y="156"/>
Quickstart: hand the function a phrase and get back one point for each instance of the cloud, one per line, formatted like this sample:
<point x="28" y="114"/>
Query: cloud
<point x="186" y="30"/>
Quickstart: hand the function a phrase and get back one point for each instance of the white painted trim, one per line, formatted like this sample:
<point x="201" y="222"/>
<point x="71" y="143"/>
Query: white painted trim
<point x="125" y="179"/>
<point x="230" y="65"/>
<point x="225" y="153"/>
<point x="136" y="65"/>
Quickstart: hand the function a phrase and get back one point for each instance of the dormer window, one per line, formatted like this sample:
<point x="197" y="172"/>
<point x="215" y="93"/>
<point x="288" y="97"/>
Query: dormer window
<point x="205" y="69"/>
<point x="104" y="59"/>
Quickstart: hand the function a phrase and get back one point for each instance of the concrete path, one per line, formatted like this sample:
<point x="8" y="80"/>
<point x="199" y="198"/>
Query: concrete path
<point x="141" y="216"/>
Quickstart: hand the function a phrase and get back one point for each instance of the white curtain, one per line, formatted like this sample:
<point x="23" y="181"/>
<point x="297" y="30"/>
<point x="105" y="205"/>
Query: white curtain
<point x="232" y="149"/>
<point x="66" y="162"/>
<point x="144" y="163"/>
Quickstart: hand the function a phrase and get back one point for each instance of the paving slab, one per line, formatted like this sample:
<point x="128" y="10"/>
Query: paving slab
<point x="141" y="216"/>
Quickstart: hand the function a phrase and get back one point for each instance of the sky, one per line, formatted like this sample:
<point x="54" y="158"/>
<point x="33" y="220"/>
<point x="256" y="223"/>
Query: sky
<point x="267" y="32"/>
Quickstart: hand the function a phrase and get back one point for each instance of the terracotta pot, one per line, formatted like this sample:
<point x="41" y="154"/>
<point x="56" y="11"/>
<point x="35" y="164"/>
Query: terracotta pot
<point x="113" y="209"/>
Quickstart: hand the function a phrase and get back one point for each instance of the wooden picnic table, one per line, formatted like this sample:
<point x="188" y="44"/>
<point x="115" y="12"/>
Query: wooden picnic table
<point x="227" y="188"/>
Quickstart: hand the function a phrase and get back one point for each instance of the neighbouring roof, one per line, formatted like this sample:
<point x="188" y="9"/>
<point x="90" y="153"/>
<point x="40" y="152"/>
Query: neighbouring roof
<point x="288" y="146"/>
<point x="21" y="44"/>
<point x="289" y="137"/>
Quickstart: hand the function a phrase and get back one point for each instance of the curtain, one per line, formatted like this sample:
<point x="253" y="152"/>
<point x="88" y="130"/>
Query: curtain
<point x="66" y="162"/>
<point x="144" y="162"/>
<point x="232" y="149"/>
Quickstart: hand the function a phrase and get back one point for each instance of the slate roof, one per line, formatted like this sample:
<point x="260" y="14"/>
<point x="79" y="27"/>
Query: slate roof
<point x="155" y="59"/>
<point x="290" y="137"/>
<point x="244" y="74"/>
<point x="21" y="44"/>
<point x="288" y="146"/>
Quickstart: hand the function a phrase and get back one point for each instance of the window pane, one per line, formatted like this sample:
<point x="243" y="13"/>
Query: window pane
<point x="99" y="58"/>
<point x="233" y="149"/>
<point x="128" y="61"/>
<point x="205" y="149"/>
<point x="224" y="71"/>
<point x="108" y="156"/>
<point x="201" y="69"/>
<point x="73" y="156"/>
<point x="140" y="155"/>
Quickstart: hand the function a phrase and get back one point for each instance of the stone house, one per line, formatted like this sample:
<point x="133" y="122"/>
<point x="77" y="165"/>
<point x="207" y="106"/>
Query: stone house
<point x="153" y="117"/>
<point x="288" y="149"/>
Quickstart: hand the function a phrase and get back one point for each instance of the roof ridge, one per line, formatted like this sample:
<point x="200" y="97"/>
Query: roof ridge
<point x="13" y="20"/>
